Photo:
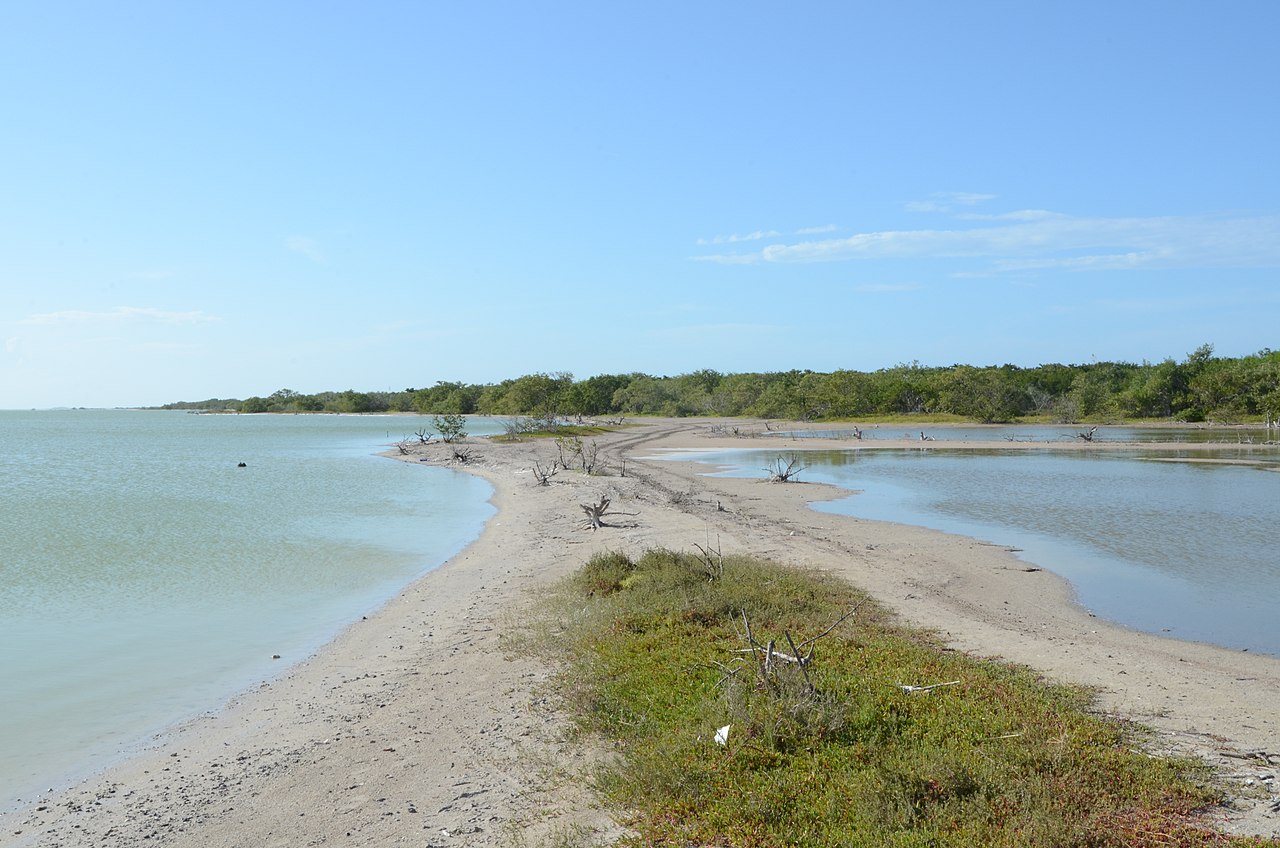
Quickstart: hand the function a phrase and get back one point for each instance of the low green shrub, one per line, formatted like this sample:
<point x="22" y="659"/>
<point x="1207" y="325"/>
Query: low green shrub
<point x="657" y="658"/>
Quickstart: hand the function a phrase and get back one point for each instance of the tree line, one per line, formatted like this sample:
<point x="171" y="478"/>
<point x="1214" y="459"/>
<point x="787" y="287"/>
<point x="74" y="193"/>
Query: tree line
<point x="1201" y="387"/>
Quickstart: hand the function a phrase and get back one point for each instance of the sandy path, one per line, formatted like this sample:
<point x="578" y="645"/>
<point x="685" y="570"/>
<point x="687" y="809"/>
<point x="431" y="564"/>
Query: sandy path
<point x="416" y="727"/>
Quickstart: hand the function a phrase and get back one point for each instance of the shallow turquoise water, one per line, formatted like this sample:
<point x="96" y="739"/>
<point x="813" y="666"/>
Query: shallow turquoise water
<point x="1188" y="550"/>
<point x="144" y="577"/>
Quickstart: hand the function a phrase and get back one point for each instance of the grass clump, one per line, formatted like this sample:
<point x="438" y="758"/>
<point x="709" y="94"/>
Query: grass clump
<point x="836" y="752"/>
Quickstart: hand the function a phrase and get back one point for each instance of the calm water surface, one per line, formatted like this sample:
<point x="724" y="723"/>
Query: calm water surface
<point x="144" y="577"/>
<point x="1044" y="433"/>
<point x="1187" y="549"/>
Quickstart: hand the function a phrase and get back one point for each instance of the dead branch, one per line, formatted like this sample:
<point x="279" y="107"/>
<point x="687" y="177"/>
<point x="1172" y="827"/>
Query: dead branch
<point x="589" y="454"/>
<point x="841" y="620"/>
<point x="785" y="469"/>
<point x="712" y="560"/>
<point x="779" y="655"/>
<point x="544" y="473"/>
<point x="929" y="688"/>
<point x="596" y="513"/>
<point x="768" y="659"/>
<point x="567" y="447"/>
<point x="423" y="435"/>
<point x="728" y="673"/>
<point x="462" y="455"/>
<point x="804" y="665"/>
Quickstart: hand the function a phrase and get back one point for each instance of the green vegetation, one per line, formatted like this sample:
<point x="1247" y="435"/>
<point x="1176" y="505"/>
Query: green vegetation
<point x="655" y="658"/>
<point x="1201" y="387"/>
<point x="452" y="426"/>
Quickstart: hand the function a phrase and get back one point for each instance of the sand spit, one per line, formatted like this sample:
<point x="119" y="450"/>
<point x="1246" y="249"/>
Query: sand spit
<point x="417" y="727"/>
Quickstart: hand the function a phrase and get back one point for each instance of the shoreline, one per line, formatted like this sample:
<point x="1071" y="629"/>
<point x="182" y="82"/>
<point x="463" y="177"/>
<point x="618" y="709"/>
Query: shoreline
<point x="417" y="722"/>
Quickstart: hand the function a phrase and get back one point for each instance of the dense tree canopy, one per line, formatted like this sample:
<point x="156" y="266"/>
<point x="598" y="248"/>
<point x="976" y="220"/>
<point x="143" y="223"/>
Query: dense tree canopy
<point x="1201" y="387"/>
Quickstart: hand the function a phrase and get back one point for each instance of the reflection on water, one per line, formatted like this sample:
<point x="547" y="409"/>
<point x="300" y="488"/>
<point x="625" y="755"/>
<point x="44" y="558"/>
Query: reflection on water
<point x="1184" y="548"/>
<point x="1041" y="433"/>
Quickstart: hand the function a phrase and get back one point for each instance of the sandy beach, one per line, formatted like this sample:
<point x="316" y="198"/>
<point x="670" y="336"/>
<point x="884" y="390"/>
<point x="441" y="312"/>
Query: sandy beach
<point x="419" y="726"/>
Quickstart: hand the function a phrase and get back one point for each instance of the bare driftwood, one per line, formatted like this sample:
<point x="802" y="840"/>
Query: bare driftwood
<point x="785" y="469"/>
<point x="596" y="512"/>
<point x="544" y="473"/>
<point x="423" y="435"/>
<point x="929" y="688"/>
<point x="462" y="455"/>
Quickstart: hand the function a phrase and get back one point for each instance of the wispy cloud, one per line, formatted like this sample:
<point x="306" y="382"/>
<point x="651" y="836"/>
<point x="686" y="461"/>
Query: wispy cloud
<point x="736" y="237"/>
<point x="308" y="247"/>
<point x="1017" y="215"/>
<point x="1035" y="240"/>
<point x="758" y="235"/>
<point x="945" y="201"/>
<point x="119" y="314"/>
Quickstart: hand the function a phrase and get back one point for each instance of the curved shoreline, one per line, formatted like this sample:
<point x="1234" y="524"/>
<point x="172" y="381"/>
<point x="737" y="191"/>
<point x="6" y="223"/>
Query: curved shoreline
<point x="1188" y="581"/>
<point x="417" y="722"/>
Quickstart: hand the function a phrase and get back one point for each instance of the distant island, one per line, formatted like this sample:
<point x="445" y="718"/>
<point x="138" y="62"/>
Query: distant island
<point x="1201" y="387"/>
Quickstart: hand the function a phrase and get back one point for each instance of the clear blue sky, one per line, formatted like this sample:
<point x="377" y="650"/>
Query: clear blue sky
<point x="224" y="199"/>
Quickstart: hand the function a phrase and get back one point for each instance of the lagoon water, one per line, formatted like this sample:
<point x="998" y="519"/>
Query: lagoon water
<point x="1186" y="549"/>
<point x="145" y="578"/>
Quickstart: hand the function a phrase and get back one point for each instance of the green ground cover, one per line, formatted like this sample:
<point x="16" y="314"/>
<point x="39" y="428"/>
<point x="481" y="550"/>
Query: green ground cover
<point x="657" y="657"/>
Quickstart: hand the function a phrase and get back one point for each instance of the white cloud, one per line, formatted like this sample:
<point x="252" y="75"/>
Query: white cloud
<point x="944" y="201"/>
<point x="306" y="246"/>
<point x="738" y="238"/>
<point x="119" y="313"/>
<point x="1018" y="215"/>
<point x="1035" y="239"/>
<point x="735" y="238"/>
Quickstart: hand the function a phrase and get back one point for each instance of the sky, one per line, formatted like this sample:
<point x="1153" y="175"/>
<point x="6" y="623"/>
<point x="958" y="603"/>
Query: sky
<point x="224" y="199"/>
